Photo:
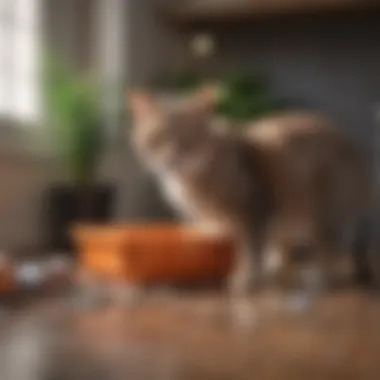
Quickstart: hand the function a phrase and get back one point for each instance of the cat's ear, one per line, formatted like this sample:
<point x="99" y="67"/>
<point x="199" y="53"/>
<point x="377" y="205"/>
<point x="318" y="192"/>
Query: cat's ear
<point x="141" y="104"/>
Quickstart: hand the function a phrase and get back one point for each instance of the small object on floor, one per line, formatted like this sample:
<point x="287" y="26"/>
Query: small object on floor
<point x="29" y="274"/>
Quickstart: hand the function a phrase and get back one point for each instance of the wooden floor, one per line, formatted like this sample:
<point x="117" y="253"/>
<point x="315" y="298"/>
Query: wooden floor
<point x="194" y="337"/>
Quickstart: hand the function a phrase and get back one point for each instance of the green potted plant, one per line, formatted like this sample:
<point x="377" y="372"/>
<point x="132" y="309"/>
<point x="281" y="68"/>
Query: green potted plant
<point x="76" y="125"/>
<point x="242" y="97"/>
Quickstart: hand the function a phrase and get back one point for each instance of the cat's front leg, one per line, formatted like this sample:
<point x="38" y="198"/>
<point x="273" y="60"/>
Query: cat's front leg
<point x="247" y="275"/>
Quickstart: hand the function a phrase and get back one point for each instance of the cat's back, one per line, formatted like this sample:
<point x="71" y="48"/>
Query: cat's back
<point x="284" y="128"/>
<point x="304" y="149"/>
<point x="303" y="134"/>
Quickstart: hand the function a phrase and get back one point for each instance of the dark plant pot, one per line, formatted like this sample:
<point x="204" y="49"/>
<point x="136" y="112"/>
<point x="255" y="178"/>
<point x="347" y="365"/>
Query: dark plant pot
<point x="67" y="205"/>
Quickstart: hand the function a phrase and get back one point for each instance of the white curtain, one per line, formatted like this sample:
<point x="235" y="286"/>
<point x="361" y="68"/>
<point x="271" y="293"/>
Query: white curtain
<point x="110" y="50"/>
<point x="20" y="32"/>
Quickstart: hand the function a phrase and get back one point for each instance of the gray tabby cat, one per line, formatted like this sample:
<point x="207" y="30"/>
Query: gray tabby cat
<point x="290" y="188"/>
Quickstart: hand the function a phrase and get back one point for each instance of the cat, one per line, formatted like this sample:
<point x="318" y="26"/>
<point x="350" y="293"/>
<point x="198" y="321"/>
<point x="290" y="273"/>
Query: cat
<point x="289" y="187"/>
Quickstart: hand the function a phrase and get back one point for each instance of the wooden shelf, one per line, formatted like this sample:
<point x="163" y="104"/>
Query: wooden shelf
<point x="190" y="12"/>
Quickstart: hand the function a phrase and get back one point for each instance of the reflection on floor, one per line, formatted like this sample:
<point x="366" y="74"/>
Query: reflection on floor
<point x="195" y="337"/>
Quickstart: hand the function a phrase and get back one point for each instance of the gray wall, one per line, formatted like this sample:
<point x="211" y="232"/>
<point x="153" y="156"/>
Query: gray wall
<point x="68" y="30"/>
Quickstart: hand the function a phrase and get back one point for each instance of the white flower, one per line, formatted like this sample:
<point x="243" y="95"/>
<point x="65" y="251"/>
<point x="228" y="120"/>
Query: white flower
<point x="202" y="45"/>
<point x="29" y="273"/>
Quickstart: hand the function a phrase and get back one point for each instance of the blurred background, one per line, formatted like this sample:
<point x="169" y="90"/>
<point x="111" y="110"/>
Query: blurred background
<point x="311" y="54"/>
<point x="65" y="156"/>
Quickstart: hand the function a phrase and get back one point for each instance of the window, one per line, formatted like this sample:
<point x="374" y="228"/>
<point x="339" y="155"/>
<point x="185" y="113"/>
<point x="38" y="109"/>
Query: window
<point x="20" y="23"/>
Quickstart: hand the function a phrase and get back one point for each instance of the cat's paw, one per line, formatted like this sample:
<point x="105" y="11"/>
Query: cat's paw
<point x="244" y="282"/>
